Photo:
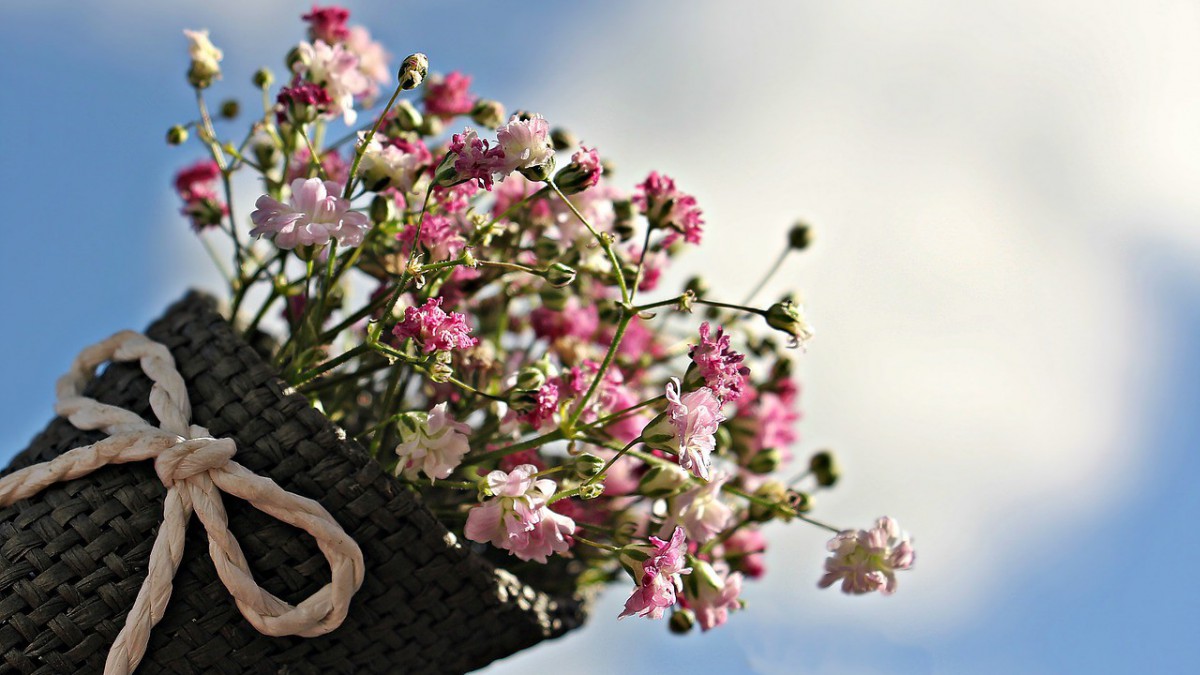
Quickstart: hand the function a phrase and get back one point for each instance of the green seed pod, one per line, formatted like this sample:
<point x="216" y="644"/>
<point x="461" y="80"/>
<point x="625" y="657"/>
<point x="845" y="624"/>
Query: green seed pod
<point x="263" y="78"/>
<point x="825" y="468"/>
<point x="787" y="317"/>
<point x="559" y="275"/>
<point x="230" y="109"/>
<point x="176" y="135"/>
<point x="682" y="621"/>
<point x="488" y="113"/>
<point x="800" y="236"/>
<point x="563" y="139"/>
<point x="588" y="465"/>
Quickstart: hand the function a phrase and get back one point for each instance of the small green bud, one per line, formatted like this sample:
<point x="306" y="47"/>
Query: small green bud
<point x="431" y="125"/>
<point x="682" y="621"/>
<point x="662" y="479"/>
<point x="263" y="78"/>
<point x="440" y="370"/>
<point x="787" y="317"/>
<point x="383" y="209"/>
<point x="563" y="139"/>
<point x="623" y="216"/>
<point x="772" y="491"/>
<point x="230" y="109"/>
<point x="539" y="172"/>
<point x="407" y="117"/>
<point x="413" y="70"/>
<point x="766" y="461"/>
<point x="801" y="502"/>
<point x="530" y="378"/>
<point x="292" y="58"/>
<point x="176" y="135"/>
<point x="488" y="113"/>
<point x="445" y="175"/>
<point x="800" y="236"/>
<point x="825" y="468"/>
<point x="559" y="275"/>
<point x="591" y="491"/>
<point x="588" y="465"/>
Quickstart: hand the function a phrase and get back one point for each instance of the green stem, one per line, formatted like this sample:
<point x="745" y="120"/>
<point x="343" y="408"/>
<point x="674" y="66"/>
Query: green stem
<point x="608" y="359"/>
<point x="605" y="242"/>
<point x="338" y="360"/>
<point x="362" y="147"/>
<point x="608" y="465"/>
<point x="767" y="277"/>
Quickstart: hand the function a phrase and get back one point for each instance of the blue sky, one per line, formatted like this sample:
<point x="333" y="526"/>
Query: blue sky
<point x="1004" y="286"/>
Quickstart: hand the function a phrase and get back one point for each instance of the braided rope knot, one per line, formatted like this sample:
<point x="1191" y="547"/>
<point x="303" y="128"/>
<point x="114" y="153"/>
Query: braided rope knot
<point x="195" y="468"/>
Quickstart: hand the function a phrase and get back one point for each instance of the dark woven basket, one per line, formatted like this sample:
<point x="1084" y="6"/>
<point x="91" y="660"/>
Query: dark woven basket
<point x="73" y="557"/>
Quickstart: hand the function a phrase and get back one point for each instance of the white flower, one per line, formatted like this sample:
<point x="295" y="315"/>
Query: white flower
<point x="526" y="143"/>
<point x="206" y="58"/>
<point x="387" y="162"/>
<point x="431" y="442"/>
<point x="313" y="215"/>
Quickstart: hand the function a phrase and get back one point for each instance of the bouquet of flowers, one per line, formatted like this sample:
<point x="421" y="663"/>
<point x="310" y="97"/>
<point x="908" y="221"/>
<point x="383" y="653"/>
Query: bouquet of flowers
<point x="464" y="292"/>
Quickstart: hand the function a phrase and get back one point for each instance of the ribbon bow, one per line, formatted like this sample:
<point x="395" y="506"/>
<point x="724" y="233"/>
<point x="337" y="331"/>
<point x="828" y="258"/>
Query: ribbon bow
<point x="195" y="468"/>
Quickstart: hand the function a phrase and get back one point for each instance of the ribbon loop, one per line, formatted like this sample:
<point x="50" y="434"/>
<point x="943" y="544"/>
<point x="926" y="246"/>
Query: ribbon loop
<point x="195" y="468"/>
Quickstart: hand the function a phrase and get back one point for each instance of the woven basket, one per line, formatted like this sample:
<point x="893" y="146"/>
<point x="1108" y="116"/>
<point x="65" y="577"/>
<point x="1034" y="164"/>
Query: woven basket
<point x="73" y="557"/>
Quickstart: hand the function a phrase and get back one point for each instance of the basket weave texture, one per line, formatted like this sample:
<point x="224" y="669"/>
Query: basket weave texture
<point x="73" y="557"/>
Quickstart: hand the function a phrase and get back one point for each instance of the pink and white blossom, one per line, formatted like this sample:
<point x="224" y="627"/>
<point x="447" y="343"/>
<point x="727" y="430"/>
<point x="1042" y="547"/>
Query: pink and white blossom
<point x="517" y="518"/>
<point x="314" y="214"/>
<point x="434" y="329"/>
<point x="433" y="443"/>
<point x="393" y="164"/>
<point x="327" y="23"/>
<point x="867" y="560"/>
<point x="712" y="592"/>
<point x="475" y="160"/>
<point x="336" y="69"/>
<point x="661" y="580"/>
<point x="719" y="365"/>
<point x="688" y="428"/>
<point x="700" y="511"/>
<point x="525" y="143"/>
<point x="667" y="207"/>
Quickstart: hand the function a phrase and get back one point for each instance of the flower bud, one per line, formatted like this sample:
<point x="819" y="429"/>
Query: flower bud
<point x="588" y="465"/>
<point x="383" y="209"/>
<point x="263" y="78"/>
<point x="825" y="468"/>
<point x="176" y="135"/>
<point x="413" y="70"/>
<point x="559" y="275"/>
<point x="591" y="491"/>
<point x="623" y="215"/>
<point x="538" y="172"/>
<point x="530" y="378"/>
<point x="788" y="317"/>
<point x="662" y="479"/>
<point x="682" y="621"/>
<point x="431" y="125"/>
<point x="563" y="139"/>
<point x="554" y="298"/>
<point x="800" y="502"/>
<point x="771" y="491"/>
<point x="800" y="236"/>
<point x="766" y="461"/>
<point x="488" y="113"/>
<point x="440" y="370"/>
<point x="445" y="175"/>
<point x="230" y="109"/>
<point x="406" y="117"/>
<point x="582" y="173"/>
<point x="206" y="59"/>
<point x="660" y="433"/>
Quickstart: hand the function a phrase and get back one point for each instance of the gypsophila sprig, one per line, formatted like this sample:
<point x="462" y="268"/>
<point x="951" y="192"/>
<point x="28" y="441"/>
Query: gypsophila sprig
<point x="473" y="318"/>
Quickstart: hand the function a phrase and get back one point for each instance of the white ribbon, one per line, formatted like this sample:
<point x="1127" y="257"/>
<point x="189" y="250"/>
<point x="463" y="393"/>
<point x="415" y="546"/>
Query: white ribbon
<point x="195" y="468"/>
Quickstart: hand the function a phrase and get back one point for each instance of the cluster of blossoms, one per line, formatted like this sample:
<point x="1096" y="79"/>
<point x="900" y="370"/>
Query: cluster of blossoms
<point x="461" y="290"/>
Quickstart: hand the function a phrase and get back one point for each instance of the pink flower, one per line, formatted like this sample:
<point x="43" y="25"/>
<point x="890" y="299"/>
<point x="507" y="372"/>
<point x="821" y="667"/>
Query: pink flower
<point x="440" y="236"/>
<point x="395" y="164"/>
<point x="313" y="215"/>
<point x="332" y="164"/>
<point x="372" y="59"/>
<point x="517" y="517"/>
<point x="327" y="23"/>
<point x="455" y="199"/>
<point x="431" y="442"/>
<point x="336" y="69"/>
<point x="449" y="96"/>
<point x="776" y="422"/>
<point x="719" y="365"/>
<point x="573" y="320"/>
<point x="302" y="102"/>
<point x="700" y="511"/>
<point x="474" y="160"/>
<point x="434" y="329"/>
<point x="867" y="560"/>
<point x="661" y="581"/>
<point x="525" y="143"/>
<point x="667" y="207"/>
<point x="198" y="181"/>
<point x="744" y="550"/>
<point x="545" y="408"/>
<point x="688" y="428"/>
<point x="713" y="591"/>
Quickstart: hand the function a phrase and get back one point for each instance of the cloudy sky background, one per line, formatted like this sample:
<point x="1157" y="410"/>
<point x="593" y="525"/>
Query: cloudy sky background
<point x="1003" y="286"/>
